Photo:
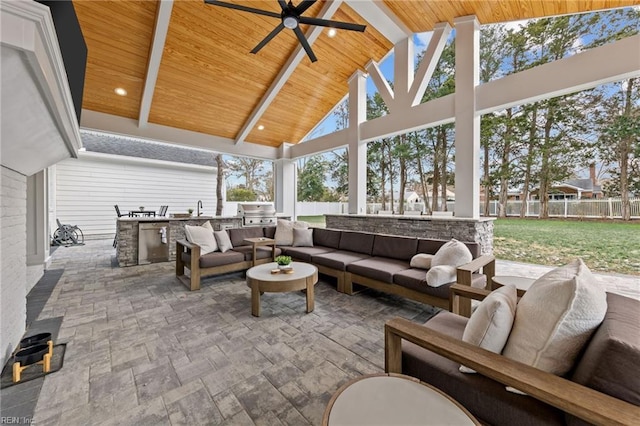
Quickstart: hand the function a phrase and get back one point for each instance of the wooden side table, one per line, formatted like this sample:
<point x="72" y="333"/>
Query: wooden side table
<point x="261" y="241"/>
<point x="393" y="399"/>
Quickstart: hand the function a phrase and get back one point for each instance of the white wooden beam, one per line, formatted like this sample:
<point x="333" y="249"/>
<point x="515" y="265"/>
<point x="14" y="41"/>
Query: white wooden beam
<point x="429" y="62"/>
<point x="357" y="148"/>
<point x="163" y="16"/>
<point x="605" y="64"/>
<point x="429" y="114"/>
<point x="320" y="144"/>
<point x="329" y="8"/>
<point x="403" y="64"/>
<point x="378" y="15"/>
<point x="385" y="90"/>
<point x="92" y="120"/>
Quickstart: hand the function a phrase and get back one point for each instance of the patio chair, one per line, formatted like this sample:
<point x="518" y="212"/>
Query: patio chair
<point x="163" y="211"/>
<point x="115" y="206"/>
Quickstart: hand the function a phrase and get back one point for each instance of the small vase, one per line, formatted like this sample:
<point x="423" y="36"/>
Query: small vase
<point x="284" y="267"/>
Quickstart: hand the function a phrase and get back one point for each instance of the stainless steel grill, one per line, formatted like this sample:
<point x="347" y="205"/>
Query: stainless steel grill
<point x="257" y="214"/>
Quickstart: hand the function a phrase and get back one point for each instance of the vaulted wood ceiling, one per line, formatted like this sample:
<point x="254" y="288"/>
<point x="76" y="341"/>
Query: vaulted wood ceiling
<point x="208" y="82"/>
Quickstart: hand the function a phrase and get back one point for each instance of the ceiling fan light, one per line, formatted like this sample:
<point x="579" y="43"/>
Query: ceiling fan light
<point x="290" y="22"/>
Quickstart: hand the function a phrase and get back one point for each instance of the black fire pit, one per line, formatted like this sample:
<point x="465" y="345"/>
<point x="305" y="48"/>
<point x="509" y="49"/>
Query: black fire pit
<point x="36" y="339"/>
<point x="31" y="355"/>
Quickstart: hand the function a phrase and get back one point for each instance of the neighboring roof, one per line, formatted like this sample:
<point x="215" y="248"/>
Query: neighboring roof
<point x="132" y="147"/>
<point x="582" y="184"/>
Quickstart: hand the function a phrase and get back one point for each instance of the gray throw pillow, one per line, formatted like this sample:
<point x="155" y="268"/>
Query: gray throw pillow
<point x="302" y="237"/>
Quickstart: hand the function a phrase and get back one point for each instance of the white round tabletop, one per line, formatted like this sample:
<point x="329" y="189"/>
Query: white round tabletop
<point x="263" y="272"/>
<point x="394" y="400"/>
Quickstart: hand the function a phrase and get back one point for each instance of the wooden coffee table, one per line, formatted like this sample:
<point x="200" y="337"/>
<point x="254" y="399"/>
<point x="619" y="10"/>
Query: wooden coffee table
<point x="261" y="280"/>
<point x="393" y="399"/>
<point x="522" y="284"/>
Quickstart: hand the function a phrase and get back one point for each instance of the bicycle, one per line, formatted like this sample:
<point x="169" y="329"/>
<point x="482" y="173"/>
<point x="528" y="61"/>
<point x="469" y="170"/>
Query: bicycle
<point x="67" y="235"/>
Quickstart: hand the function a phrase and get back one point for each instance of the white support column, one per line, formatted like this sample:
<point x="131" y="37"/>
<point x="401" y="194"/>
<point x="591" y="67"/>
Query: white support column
<point x="357" y="148"/>
<point x="467" y="143"/>
<point x="286" y="183"/>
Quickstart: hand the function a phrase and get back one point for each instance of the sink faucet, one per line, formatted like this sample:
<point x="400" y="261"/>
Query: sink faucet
<point x="199" y="207"/>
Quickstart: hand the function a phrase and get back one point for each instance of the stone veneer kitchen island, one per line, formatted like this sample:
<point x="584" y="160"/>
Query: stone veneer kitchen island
<point x="439" y="227"/>
<point x="127" y="233"/>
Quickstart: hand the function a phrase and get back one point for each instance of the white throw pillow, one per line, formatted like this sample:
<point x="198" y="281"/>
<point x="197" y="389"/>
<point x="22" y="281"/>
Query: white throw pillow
<point x="421" y="260"/>
<point x="284" y="231"/>
<point x="201" y="236"/>
<point x="441" y="275"/>
<point x="490" y="324"/>
<point x="224" y="242"/>
<point x="453" y="253"/>
<point x="302" y="237"/>
<point x="207" y="225"/>
<point x="556" y="317"/>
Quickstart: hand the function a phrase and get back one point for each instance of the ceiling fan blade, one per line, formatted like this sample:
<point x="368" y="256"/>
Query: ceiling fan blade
<point x="283" y="4"/>
<point x="304" y="5"/>
<point x="268" y="38"/>
<point x="305" y="44"/>
<point x="242" y="8"/>
<point x="332" y="24"/>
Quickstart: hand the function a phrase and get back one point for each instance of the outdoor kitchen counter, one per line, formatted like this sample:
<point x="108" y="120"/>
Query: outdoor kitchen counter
<point x="127" y="233"/>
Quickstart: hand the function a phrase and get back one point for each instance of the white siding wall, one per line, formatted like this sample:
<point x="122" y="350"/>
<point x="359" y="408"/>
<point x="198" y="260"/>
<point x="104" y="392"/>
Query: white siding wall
<point x="88" y="187"/>
<point x="13" y="252"/>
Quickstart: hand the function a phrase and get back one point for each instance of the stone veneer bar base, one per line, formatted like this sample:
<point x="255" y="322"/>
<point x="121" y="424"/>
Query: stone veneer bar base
<point x="127" y="233"/>
<point x="444" y="228"/>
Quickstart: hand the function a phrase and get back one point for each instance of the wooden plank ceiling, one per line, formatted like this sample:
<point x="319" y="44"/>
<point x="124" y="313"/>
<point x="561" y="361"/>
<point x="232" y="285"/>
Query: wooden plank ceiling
<point x="208" y="81"/>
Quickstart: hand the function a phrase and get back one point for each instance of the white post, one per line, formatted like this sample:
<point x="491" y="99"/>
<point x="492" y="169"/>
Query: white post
<point x="467" y="127"/>
<point x="357" y="149"/>
<point x="286" y="183"/>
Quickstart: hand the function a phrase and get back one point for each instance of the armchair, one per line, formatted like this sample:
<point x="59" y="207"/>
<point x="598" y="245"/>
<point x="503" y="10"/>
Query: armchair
<point x="432" y="353"/>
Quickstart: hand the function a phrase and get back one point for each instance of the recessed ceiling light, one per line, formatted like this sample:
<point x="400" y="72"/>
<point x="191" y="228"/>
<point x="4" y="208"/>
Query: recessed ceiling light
<point x="120" y="91"/>
<point x="261" y="127"/>
<point x="332" y="32"/>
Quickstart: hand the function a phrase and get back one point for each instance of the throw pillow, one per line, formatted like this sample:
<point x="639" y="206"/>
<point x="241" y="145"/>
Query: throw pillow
<point x="224" y="242"/>
<point x="302" y="237"/>
<point x="207" y="225"/>
<point x="421" y="260"/>
<point x="201" y="236"/>
<point x="441" y="275"/>
<point x="490" y="324"/>
<point x="556" y="317"/>
<point x="284" y="231"/>
<point x="453" y="253"/>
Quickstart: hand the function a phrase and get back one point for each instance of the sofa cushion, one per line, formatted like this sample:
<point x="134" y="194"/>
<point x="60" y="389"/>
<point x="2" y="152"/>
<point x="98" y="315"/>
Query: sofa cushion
<point x="337" y="259"/>
<point x="305" y="253"/>
<point x="238" y="235"/>
<point x="485" y="398"/>
<point x="556" y="317"/>
<point x="452" y="253"/>
<point x="202" y="236"/>
<point x="261" y="252"/>
<point x="215" y="259"/>
<point x="378" y="268"/>
<point x="421" y="260"/>
<point x="358" y="242"/>
<point x="326" y="237"/>
<point x="403" y="248"/>
<point x="302" y="237"/>
<point x="224" y="242"/>
<point x="415" y="279"/>
<point x="613" y="353"/>
<point x="490" y="324"/>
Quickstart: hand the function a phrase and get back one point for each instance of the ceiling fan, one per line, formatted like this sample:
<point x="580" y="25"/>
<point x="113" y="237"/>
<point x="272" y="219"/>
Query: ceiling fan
<point x="291" y="17"/>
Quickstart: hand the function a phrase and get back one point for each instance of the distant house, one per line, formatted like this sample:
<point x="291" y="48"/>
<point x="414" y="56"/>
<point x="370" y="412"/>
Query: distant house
<point x="410" y="197"/>
<point x="570" y="189"/>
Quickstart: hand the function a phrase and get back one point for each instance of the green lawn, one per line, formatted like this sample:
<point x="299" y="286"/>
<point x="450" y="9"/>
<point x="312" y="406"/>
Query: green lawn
<point x="604" y="246"/>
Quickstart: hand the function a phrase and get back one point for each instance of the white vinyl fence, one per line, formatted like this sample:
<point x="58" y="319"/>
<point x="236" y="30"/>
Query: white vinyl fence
<point x="605" y="209"/>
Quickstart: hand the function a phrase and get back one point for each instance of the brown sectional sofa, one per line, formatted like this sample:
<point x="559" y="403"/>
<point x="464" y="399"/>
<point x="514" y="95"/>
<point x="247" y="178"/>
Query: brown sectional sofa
<point x="608" y="365"/>
<point x="381" y="262"/>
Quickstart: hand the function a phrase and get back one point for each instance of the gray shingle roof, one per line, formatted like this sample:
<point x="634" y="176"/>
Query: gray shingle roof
<point x="132" y="147"/>
<point x="584" y="184"/>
